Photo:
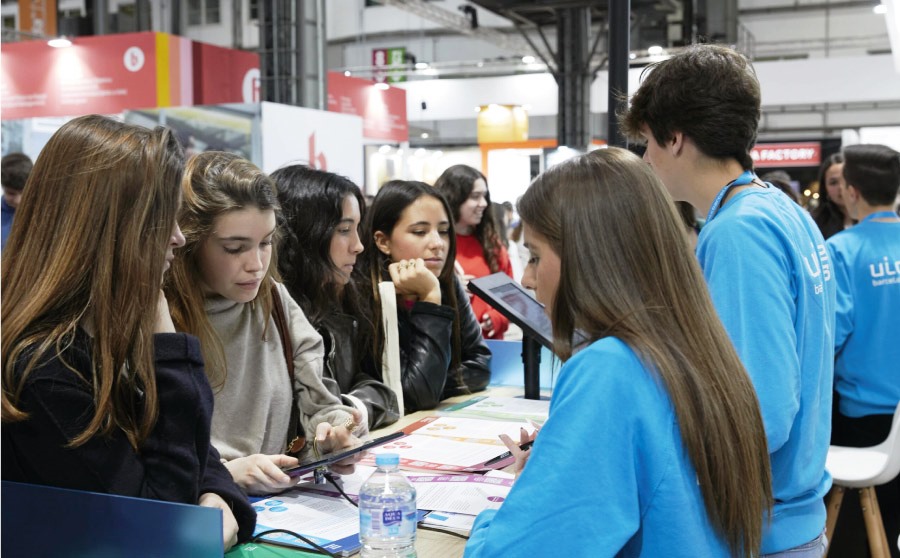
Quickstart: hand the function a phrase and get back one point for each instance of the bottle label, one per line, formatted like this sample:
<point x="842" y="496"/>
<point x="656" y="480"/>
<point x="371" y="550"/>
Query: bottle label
<point x="391" y="517"/>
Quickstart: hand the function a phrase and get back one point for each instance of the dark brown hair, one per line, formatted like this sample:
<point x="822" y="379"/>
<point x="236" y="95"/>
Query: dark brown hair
<point x="707" y="92"/>
<point x="456" y="184"/>
<point x="874" y="170"/>
<point x="829" y="216"/>
<point x="384" y="213"/>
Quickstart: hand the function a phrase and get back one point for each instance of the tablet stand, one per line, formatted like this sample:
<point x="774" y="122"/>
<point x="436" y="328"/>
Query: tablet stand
<point x="531" y="359"/>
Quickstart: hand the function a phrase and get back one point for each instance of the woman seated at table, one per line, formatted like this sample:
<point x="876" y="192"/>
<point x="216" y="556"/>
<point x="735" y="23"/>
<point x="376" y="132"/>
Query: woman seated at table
<point x="319" y="224"/>
<point x="654" y="445"/>
<point x="99" y="391"/>
<point x="409" y="241"/>
<point x="263" y="358"/>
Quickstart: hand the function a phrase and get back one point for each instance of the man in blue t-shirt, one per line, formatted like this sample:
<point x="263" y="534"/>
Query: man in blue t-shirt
<point x="14" y="171"/>
<point x="766" y="265"/>
<point x="866" y="263"/>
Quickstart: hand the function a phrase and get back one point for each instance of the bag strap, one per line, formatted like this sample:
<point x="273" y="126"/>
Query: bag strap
<point x="296" y="439"/>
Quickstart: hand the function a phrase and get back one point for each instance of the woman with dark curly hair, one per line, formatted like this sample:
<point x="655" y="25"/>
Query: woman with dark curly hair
<point x="319" y="223"/>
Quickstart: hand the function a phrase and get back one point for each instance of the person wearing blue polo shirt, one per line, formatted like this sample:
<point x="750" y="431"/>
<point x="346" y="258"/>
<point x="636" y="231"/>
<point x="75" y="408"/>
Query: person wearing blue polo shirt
<point x="766" y="266"/>
<point x="866" y="262"/>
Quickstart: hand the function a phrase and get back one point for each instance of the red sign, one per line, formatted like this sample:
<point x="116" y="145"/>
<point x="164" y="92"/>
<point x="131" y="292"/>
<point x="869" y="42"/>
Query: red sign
<point x="108" y="74"/>
<point x="225" y="75"/>
<point x="807" y="154"/>
<point x="105" y="74"/>
<point x="383" y="110"/>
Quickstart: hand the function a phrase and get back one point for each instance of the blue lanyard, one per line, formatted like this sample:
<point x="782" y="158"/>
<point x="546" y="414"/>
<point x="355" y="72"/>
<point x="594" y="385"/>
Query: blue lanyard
<point x="880" y="215"/>
<point x="745" y="178"/>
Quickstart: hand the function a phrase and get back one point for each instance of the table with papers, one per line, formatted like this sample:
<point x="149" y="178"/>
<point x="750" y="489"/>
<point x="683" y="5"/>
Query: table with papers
<point x="443" y="455"/>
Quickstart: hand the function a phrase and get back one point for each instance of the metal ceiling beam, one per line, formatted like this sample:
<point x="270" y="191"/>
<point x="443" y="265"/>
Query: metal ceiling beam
<point x="461" y="24"/>
<point x="796" y="7"/>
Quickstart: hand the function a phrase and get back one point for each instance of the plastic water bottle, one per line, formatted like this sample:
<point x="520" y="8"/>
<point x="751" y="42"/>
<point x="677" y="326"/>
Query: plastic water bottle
<point x="387" y="512"/>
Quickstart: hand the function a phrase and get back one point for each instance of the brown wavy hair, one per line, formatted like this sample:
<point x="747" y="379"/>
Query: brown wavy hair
<point x="456" y="184"/>
<point x="89" y="243"/>
<point x="215" y="183"/>
<point x="644" y="287"/>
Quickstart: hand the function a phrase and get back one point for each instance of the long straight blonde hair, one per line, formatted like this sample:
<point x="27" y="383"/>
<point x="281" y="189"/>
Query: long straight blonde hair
<point x="626" y="271"/>
<point x="89" y="243"/>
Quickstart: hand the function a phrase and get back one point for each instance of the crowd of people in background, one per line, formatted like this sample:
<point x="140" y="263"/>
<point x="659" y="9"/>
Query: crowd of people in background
<point x="185" y="330"/>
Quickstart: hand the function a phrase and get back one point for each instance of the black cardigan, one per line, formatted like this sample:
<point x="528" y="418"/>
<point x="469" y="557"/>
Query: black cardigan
<point x="176" y="463"/>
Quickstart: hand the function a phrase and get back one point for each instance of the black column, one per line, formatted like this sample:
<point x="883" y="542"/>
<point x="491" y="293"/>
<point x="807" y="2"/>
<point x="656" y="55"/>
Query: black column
<point x="573" y="78"/>
<point x="619" y="32"/>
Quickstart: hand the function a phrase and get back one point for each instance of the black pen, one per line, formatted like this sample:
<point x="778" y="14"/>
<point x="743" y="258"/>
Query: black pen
<point x="503" y="456"/>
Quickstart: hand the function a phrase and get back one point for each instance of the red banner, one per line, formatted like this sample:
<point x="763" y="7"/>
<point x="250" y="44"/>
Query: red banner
<point x="383" y="110"/>
<point x="806" y="154"/>
<point x="105" y="74"/>
<point x="225" y="75"/>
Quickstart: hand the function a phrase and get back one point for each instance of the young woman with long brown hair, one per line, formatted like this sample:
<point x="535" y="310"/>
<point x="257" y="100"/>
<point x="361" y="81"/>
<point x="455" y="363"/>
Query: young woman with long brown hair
<point x="654" y="445"/>
<point x="409" y="241"/>
<point x="99" y="391"/>
<point x="479" y="250"/>
<point x="223" y="289"/>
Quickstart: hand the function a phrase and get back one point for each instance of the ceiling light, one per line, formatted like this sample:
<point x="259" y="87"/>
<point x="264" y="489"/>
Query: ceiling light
<point x="424" y="135"/>
<point x="382" y="86"/>
<point x="59" y="42"/>
<point x="528" y="59"/>
<point x="632" y="56"/>
<point x="421" y="65"/>
<point x="347" y="73"/>
<point x="655" y="50"/>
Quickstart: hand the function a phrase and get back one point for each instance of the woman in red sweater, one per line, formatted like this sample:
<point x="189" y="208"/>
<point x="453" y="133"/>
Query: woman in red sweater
<point x="479" y="251"/>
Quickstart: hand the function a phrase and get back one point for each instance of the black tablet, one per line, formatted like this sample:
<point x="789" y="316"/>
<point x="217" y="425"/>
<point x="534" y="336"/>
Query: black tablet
<point x="311" y="462"/>
<point x="510" y="299"/>
<point x="513" y="301"/>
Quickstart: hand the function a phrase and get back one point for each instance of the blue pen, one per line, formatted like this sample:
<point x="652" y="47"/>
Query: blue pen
<point x="504" y="455"/>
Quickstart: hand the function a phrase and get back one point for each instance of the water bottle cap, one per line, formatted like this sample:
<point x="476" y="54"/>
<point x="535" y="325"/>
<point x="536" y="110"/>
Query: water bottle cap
<point x="387" y="459"/>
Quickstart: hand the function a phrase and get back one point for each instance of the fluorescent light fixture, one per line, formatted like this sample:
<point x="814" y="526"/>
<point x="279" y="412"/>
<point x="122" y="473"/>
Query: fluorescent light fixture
<point x="382" y="86"/>
<point x="892" y="19"/>
<point x="59" y="42"/>
<point x="655" y="50"/>
<point x="421" y="65"/>
<point x="528" y="59"/>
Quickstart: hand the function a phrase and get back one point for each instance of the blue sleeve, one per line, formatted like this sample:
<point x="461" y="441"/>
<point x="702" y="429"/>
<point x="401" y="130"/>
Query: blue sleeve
<point x="579" y="489"/>
<point x="752" y="285"/>
<point x="844" y="307"/>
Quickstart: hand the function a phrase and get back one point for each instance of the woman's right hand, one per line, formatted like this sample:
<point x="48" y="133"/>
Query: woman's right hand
<point x="260" y="474"/>
<point x="412" y="278"/>
<point x="520" y="454"/>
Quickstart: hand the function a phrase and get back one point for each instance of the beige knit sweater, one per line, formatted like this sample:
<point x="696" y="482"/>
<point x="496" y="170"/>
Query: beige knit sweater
<point x="252" y="410"/>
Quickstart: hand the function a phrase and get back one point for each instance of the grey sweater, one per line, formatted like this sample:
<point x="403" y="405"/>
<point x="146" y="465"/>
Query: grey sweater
<point x="252" y="410"/>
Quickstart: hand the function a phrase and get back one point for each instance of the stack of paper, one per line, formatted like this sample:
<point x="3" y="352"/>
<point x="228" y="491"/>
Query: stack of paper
<point x="501" y="408"/>
<point x="450" y="444"/>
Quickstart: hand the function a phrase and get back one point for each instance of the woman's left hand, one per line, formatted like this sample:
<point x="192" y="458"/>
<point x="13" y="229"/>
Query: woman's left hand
<point x="487" y="326"/>
<point x="229" y="523"/>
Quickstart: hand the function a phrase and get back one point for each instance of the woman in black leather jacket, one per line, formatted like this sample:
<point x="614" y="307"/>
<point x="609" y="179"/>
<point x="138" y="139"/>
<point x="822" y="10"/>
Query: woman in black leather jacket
<point x="319" y="227"/>
<point x="409" y="240"/>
